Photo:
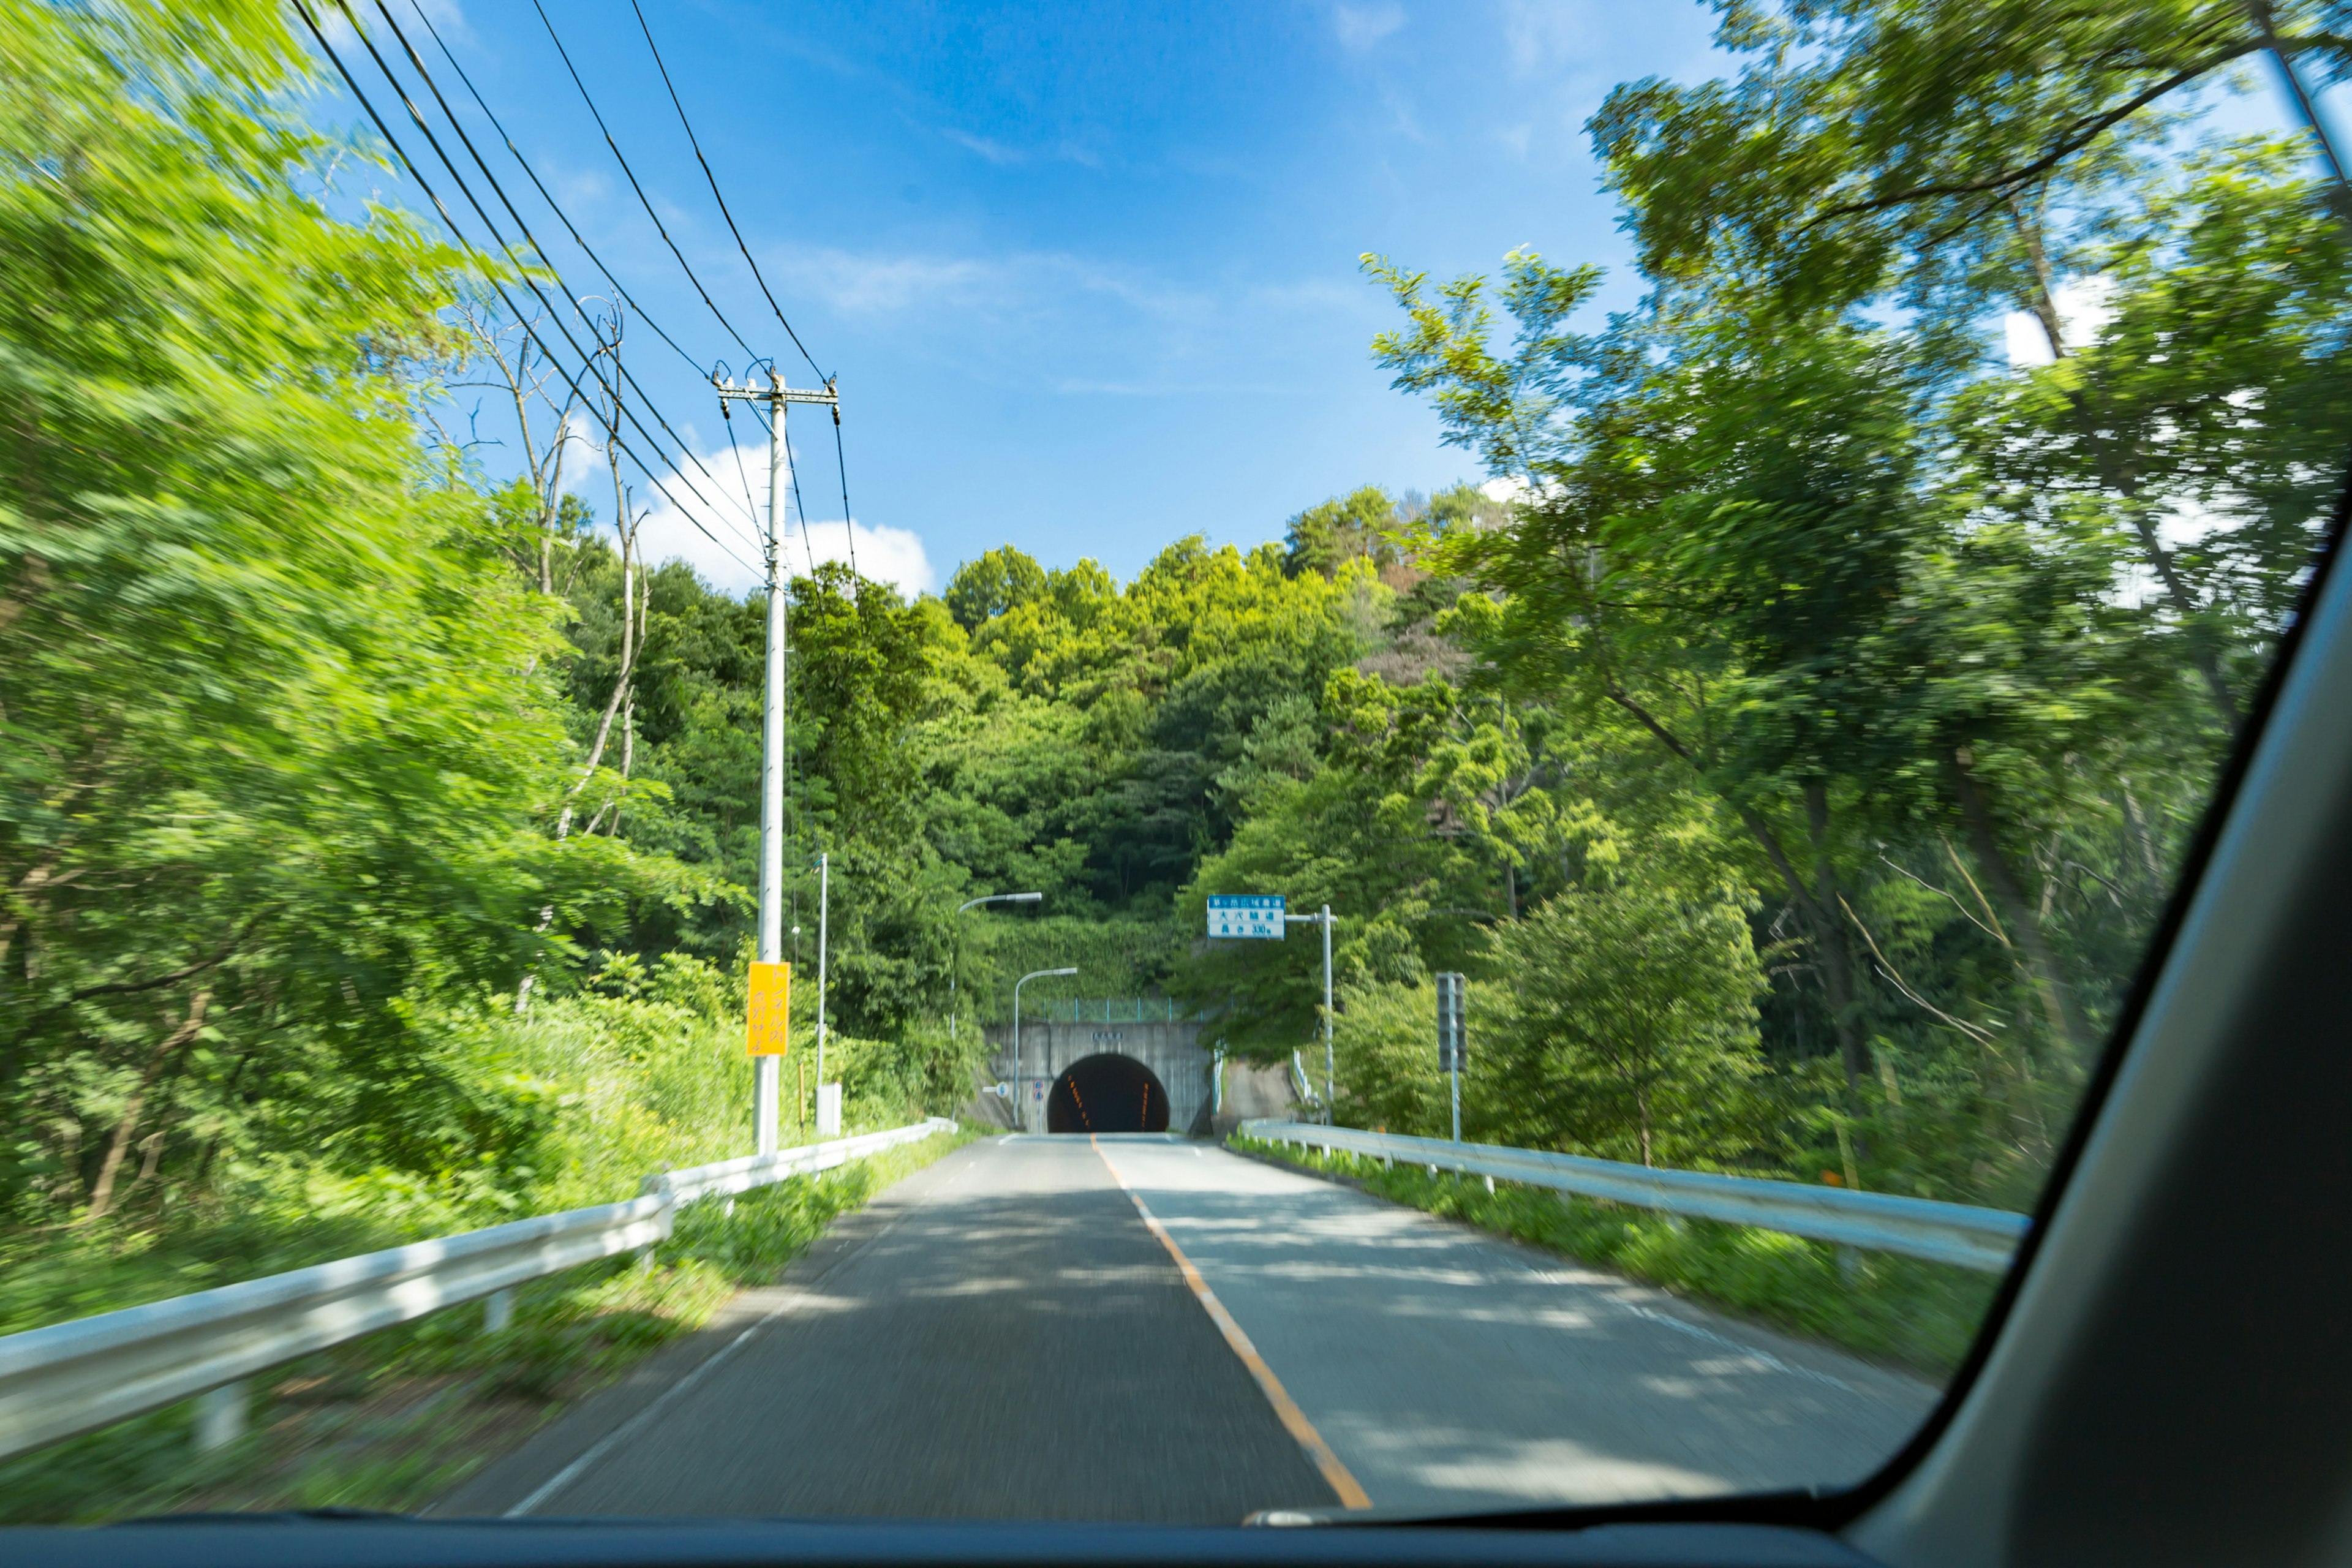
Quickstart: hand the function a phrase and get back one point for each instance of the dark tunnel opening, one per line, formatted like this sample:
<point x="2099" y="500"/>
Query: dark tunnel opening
<point x="1106" y="1093"/>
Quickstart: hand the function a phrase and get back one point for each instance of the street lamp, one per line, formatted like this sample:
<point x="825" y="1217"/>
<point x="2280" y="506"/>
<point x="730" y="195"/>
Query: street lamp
<point x="1033" y="975"/>
<point x="973" y="904"/>
<point x="1323" y="920"/>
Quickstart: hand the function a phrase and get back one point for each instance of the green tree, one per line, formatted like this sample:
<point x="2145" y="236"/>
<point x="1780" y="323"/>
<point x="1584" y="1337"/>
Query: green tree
<point x="1627" y="1026"/>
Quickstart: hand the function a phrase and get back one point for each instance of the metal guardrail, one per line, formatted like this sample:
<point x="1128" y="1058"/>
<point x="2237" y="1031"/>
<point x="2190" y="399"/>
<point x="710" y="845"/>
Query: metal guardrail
<point x="1881" y="1222"/>
<point x="74" y="1377"/>
<point x="728" y="1177"/>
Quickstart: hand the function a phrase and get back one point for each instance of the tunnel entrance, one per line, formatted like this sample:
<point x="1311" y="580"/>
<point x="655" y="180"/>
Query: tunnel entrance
<point x="1106" y="1093"/>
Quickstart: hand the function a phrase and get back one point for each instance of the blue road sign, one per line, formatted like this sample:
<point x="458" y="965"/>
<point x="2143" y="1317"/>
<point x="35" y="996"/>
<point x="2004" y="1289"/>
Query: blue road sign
<point x="1247" y="915"/>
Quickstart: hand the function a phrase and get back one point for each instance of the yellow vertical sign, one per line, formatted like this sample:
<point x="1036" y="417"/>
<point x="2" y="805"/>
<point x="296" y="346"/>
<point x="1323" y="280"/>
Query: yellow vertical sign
<point x="771" y="996"/>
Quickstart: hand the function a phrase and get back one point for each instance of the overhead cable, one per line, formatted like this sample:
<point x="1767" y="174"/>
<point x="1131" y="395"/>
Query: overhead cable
<point x="622" y="370"/>
<point x="642" y="200"/>
<point x="449" y="220"/>
<point x="553" y="205"/>
<point x="712" y="180"/>
<point x="841" y="462"/>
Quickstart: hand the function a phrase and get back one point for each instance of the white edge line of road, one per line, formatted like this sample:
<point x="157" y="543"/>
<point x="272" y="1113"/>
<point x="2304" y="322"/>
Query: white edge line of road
<point x="605" y="1444"/>
<point x="1486" y="1244"/>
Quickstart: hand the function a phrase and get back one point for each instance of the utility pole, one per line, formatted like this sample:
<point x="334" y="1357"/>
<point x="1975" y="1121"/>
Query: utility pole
<point x="768" y="1087"/>
<point x="1452" y="1037"/>
<point x="824" y="897"/>
<point x="1323" y="920"/>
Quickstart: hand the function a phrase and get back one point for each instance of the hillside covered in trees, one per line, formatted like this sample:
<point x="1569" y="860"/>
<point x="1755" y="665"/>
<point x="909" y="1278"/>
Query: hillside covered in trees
<point x="1797" y="756"/>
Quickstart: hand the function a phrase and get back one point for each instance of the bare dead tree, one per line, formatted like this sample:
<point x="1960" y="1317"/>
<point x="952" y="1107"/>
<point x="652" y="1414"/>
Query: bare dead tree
<point x="626" y="525"/>
<point x="519" y="369"/>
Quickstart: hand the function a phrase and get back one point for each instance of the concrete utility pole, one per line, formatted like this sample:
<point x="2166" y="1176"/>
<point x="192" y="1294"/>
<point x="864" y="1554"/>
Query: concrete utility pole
<point x="824" y="901"/>
<point x="1323" y="920"/>
<point x="1452" y="1035"/>
<point x="766" y="1089"/>
<point x="973" y="904"/>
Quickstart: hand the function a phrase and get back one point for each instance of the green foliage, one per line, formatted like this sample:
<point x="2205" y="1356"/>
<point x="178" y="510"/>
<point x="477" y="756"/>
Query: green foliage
<point x="1358" y="526"/>
<point x="1627" y="1026"/>
<point x="1941" y="657"/>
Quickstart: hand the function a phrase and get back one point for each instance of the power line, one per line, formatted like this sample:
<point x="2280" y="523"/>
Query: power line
<point x="848" y="526"/>
<point x="792" y="465"/>
<point x="553" y="205"/>
<point x="458" y="234"/>
<point x="622" y="370"/>
<point x="750" y="505"/>
<point x="712" y="180"/>
<point x="590" y="101"/>
<point x="726" y="419"/>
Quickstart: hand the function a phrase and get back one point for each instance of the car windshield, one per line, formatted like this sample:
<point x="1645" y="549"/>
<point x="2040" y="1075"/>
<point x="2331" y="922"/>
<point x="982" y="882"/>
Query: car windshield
<point x="1141" y="764"/>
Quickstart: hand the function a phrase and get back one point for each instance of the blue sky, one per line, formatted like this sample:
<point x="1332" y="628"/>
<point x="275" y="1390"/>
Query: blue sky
<point x="1088" y="273"/>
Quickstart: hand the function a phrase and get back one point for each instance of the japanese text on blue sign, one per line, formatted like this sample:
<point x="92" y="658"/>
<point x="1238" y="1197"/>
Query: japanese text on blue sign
<point x="1246" y="914"/>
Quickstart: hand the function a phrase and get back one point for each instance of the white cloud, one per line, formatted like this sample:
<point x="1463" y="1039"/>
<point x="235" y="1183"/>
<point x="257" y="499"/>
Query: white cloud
<point x="868" y="285"/>
<point x="723" y="549"/>
<point x="584" y="461"/>
<point x="2083" y="313"/>
<point x="892" y="555"/>
<point x="1360" y="27"/>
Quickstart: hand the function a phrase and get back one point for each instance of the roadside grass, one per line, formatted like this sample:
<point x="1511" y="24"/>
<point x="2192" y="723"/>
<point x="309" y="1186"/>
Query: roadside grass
<point x="393" y="1420"/>
<point x="1920" y="1315"/>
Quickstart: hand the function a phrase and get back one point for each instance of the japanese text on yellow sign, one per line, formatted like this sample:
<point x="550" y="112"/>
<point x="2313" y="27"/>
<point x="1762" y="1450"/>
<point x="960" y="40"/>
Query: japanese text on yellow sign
<point x="771" y="995"/>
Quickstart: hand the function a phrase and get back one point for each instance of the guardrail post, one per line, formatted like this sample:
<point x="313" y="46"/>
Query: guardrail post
<point x="221" y="1415"/>
<point x="498" y="1310"/>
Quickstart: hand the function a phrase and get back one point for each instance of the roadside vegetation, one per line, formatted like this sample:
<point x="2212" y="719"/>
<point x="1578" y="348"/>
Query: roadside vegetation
<point x="1793" y="725"/>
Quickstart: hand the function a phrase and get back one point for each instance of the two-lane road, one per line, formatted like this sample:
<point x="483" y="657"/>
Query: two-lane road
<point x="1004" y="1335"/>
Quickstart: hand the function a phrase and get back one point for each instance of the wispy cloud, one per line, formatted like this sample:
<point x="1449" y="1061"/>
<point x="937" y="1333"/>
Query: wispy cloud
<point x="869" y="284"/>
<point x="994" y="151"/>
<point x="1359" y="27"/>
<point x="1544" y="35"/>
<point x="1004" y="155"/>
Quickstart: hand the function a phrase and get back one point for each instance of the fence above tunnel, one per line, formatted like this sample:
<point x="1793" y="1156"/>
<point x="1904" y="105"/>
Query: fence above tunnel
<point x="1102" y="1010"/>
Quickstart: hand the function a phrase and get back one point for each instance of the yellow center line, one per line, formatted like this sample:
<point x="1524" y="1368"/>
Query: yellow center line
<point x="1286" y="1409"/>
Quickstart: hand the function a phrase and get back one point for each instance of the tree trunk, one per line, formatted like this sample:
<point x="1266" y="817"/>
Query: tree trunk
<point x="2043" y="304"/>
<point x="2041" y="963"/>
<point x="1828" y="932"/>
<point x="605" y="726"/>
<point x="102" y="1194"/>
<point x="1837" y="954"/>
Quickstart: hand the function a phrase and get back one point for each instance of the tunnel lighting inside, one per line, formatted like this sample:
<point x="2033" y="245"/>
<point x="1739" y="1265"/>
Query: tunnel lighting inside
<point x="1106" y="1093"/>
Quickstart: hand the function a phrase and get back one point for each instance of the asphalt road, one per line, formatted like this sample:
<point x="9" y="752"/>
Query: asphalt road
<point x="1004" y="1335"/>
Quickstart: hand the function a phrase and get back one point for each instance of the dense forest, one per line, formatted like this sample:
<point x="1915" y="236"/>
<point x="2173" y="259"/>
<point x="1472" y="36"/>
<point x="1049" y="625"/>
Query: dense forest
<point x="1793" y="725"/>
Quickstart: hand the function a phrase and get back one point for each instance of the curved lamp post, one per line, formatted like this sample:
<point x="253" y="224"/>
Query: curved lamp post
<point x="973" y="904"/>
<point x="1033" y="975"/>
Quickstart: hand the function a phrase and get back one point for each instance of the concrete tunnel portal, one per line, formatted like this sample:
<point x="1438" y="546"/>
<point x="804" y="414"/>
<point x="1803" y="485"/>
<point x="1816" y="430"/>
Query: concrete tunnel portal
<point x="1108" y="1092"/>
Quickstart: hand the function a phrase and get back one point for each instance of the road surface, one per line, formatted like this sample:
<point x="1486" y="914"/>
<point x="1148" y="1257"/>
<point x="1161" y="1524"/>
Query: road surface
<point x="1006" y="1334"/>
